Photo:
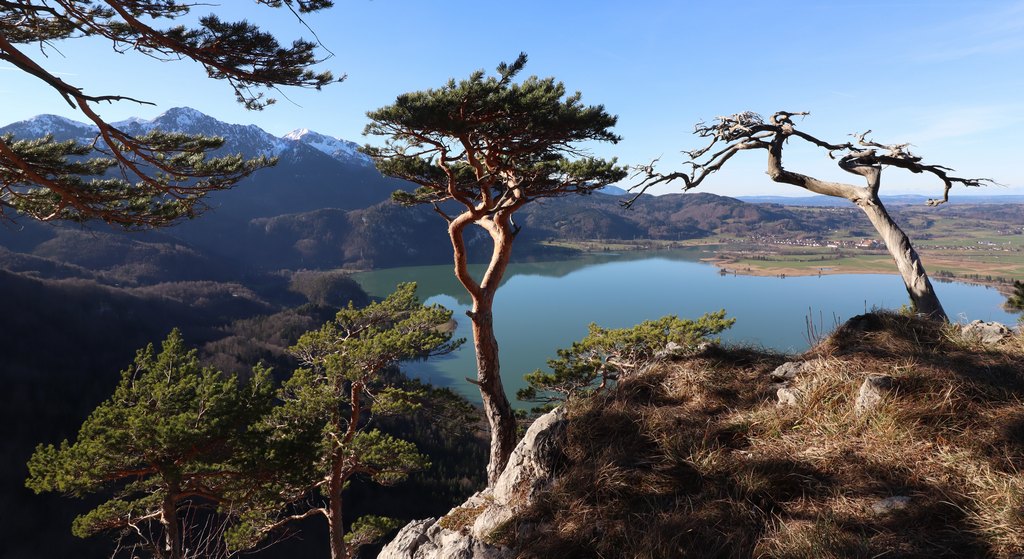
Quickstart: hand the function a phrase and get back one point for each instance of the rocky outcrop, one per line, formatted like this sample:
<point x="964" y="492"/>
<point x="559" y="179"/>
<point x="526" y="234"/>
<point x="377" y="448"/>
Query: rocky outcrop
<point x="988" y="333"/>
<point x="784" y="375"/>
<point x="475" y="529"/>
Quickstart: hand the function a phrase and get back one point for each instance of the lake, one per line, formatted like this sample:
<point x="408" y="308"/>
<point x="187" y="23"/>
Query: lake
<point x="547" y="305"/>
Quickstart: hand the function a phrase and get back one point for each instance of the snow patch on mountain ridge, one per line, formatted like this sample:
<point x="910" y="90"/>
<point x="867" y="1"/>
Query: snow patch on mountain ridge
<point x="250" y="139"/>
<point x="335" y="147"/>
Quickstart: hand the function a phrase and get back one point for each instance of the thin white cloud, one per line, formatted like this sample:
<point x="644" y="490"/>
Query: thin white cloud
<point x="15" y="69"/>
<point x="950" y="123"/>
<point x="999" y="31"/>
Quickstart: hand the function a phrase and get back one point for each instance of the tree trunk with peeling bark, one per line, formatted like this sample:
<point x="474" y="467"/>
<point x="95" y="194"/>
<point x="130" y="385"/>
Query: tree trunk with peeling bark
<point x="497" y="409"/>
<point x="335" y="521"/>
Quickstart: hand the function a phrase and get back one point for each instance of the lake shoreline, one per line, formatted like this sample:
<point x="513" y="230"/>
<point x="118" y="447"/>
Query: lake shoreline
<point x="736" y="261"/>
<point x="732" y="264"/>
<point x="542" y="307"/>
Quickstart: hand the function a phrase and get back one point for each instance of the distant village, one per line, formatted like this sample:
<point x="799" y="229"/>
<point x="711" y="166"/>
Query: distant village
<point x="874" y="244"/>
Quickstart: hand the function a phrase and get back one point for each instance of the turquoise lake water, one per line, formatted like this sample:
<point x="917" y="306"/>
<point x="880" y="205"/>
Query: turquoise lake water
<point x="548" y="305"/>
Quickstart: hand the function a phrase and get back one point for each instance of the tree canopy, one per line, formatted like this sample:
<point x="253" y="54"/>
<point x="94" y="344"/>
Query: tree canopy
<point x="321" y="434"/>
<point x="1015" y="301"/>
<point x="608" y="355"/>
<point x="480" y="149"/>
<point x="492" y="144"/>
<point x="167" y="441"/>
<point x="157" y="178"/>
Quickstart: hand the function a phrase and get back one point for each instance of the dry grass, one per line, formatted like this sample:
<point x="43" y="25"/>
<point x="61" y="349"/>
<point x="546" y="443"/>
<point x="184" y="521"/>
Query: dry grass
<point x="695" y="459"/>
<point x="461" y="518"/>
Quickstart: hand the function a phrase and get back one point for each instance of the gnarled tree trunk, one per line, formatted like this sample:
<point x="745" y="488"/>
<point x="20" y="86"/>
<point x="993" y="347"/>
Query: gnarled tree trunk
<point x="729" y="135"/>
<point x="497" y="409"/>
<point x="922" y="295"/>
<point x="919" y="287"/>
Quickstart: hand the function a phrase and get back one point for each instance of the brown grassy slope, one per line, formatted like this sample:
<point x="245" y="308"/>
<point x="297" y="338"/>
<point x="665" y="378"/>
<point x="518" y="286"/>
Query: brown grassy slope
<point x="696" y="459"/>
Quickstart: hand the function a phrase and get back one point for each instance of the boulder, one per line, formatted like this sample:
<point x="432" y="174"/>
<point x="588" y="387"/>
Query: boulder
<point x="789" y="371"/>
<point x="467" y="531"/>
<point x="989" y="333"/>
<point x="788" y="396"/>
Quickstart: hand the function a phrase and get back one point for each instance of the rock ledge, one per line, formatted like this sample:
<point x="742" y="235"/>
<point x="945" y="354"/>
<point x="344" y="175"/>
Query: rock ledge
<point x="469" y="530"/>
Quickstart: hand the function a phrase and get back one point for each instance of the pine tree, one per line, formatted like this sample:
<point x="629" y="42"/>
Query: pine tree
<point x="161" y="448"/>
<point x="321" y="434"/>
<point x="158" y="178"/>
<point x="609" y="355"/>
<point x="1015" y="301"/>
<point x="479" y="150"/>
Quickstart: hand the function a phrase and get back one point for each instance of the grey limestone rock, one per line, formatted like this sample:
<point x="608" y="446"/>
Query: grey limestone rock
<point x="789" y="370"/>
<point x="788" y="396"/>
<point x="530" y="470"/>
<point x="890" y="504"/>
<point x="989" y="333"/>
<point x="410" y="538"/>
<point x="872" y="391"/>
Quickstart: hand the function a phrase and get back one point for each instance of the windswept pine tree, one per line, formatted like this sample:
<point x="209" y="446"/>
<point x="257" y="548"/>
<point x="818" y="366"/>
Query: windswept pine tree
<point x="163" y="450"/>
<point x="160" y="177"/>
<point x="479" y="150"/>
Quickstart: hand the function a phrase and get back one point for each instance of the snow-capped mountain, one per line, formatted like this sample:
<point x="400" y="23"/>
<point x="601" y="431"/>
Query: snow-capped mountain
<point x="313" y="171"/>
<point x="61" y="128"/>
<point x="250" y="140"/>
<point x="342" y="150"/>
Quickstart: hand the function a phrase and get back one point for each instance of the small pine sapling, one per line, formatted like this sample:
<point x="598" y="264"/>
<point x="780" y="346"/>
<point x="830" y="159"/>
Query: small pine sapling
<point x="608" y="355"/>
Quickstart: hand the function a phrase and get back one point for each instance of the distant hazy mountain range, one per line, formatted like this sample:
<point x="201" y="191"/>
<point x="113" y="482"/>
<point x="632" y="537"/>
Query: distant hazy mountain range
<point x="313" y="169"/>
<point x="324" y="205"/>
<point x="249" y="140"/>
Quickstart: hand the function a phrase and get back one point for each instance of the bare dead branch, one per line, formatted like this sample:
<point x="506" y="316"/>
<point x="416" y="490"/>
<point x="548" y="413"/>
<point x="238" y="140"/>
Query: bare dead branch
<point x="864" y="157"/>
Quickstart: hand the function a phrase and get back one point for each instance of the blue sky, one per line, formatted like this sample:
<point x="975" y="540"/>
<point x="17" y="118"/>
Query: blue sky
<point x="947" y="76"/>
